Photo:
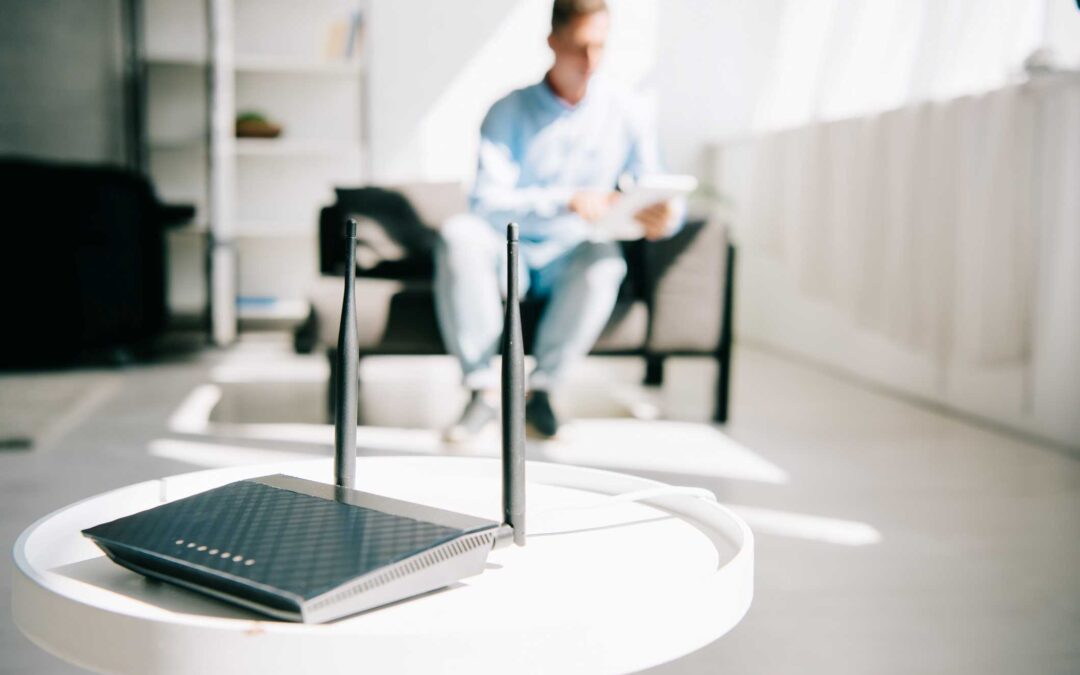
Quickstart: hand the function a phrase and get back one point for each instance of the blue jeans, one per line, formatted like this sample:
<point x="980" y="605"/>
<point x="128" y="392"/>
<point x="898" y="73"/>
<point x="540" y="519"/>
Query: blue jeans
<point x="580" y="279"/>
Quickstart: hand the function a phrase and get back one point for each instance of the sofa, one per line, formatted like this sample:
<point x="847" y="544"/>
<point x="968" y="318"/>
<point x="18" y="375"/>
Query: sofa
<point x="676" y="299"/>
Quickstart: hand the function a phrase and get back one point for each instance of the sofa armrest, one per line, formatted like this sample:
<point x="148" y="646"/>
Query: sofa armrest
<point x="687" y="289"/>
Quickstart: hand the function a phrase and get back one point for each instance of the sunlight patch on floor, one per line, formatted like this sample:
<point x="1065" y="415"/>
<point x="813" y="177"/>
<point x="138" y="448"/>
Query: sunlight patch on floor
<point x="802" y="526"/>
<point x="217" y="455"/>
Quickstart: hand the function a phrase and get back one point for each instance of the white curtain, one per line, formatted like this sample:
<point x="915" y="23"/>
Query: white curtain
<point x="921" y="223"/>
<point x="843" y="58"/>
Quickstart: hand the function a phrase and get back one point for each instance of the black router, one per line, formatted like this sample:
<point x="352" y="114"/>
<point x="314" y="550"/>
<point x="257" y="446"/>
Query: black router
<point x="301" y="550"/>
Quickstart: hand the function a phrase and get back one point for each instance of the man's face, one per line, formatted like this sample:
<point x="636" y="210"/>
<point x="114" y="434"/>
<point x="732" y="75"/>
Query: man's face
<point x="579" y="45"/>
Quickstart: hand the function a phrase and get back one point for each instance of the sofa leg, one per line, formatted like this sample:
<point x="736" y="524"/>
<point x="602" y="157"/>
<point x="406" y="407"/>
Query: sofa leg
<point x="723" y="382"/>
<point x="654" y="370"/>
<point x="723" y="350"/>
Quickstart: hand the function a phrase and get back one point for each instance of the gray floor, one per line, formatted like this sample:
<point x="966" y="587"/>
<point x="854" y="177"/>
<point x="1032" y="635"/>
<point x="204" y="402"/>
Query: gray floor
<point x="896" y="539"/>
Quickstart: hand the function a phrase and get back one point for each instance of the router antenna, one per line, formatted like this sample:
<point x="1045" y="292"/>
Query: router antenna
<point x="513" y="398"/>
<point x="345" y="389"/>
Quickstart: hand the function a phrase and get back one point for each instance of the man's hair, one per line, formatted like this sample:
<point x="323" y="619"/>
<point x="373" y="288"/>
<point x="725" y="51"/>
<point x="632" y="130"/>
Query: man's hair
<point x="565" y="11"/>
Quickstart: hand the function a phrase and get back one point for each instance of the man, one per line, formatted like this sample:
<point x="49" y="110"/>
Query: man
<point x="550" y="157"/>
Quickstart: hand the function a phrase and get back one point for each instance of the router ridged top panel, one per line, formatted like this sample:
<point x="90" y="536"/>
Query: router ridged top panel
<point x="288" y="536"/>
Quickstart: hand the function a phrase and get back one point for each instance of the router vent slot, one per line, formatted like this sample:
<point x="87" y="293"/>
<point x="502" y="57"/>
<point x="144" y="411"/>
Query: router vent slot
<point x="409" y="566"/>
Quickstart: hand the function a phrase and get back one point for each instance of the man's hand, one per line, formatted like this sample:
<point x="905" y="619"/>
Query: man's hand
<point x="657" y="219"/>
<point x="592" y="204"/>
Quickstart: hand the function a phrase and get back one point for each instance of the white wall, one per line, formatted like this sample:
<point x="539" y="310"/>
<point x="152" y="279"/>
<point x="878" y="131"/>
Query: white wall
<point x="436" y="67"/>
<point x="717" y="69"/>
<point x="714" y="58"/>
<point x="733" y="67"/>
<point x="61" y="93"/>
<point x="1062" y="30"/>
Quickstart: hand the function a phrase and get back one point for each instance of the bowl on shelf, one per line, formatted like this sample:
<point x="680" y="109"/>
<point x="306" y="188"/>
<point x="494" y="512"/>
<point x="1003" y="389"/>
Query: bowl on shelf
<point x="255" y="125"/>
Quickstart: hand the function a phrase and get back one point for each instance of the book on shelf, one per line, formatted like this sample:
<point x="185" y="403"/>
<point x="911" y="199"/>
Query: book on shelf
<point x="356" y="35"/>
<point x="271" y="307"/>
<point x="345" y="37"/>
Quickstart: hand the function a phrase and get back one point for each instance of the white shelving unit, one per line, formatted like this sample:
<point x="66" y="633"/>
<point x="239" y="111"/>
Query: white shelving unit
<point x="257" y="199"/>
<point x="175" y="60"/>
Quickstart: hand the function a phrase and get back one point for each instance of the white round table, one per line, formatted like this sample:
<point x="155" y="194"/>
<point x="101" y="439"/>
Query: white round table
<point x="601" y="586"/>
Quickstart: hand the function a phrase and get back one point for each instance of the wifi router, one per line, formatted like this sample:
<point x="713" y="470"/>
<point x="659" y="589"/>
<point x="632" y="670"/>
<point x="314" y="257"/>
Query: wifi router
<point x="300" y="550"/>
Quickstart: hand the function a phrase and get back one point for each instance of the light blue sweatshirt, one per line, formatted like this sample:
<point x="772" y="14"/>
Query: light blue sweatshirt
<point x="536" y="151"/>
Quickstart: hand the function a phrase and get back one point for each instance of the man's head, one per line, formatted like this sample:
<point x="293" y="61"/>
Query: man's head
<point x="579" y="30"/>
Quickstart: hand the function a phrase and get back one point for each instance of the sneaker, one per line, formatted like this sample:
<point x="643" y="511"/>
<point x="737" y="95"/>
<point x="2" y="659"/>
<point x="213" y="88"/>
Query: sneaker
<point x="477" y="415"/>
<point x="539" y="416"/>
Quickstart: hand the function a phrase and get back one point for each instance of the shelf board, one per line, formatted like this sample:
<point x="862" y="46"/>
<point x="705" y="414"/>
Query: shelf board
<point x="177" y="144"/>
<point x="257" y="63"/>
<point x="261" y="229"/>
<point x="285" y="147"/>
<point x="272" y="309"/>
<point x="264" y="147"/>
<point x="254" y="63"/>
<point x="182" y="60"/>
